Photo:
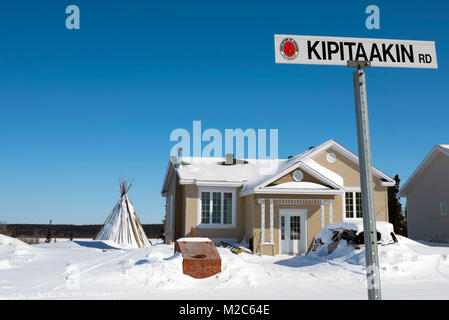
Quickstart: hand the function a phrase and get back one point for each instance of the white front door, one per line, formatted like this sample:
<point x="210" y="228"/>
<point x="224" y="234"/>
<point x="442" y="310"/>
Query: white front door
<point x="293" y="234"/>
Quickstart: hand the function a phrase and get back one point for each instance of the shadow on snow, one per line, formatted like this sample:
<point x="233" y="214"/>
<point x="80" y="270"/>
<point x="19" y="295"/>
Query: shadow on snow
<point x="299" y="261"/>
<point x="95" y="245"/>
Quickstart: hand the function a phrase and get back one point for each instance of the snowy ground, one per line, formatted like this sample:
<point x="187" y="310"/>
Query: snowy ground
<point x="86" y="269"/>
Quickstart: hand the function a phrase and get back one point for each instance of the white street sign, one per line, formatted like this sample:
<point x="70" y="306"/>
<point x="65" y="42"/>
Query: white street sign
<point x="337" y="51"/>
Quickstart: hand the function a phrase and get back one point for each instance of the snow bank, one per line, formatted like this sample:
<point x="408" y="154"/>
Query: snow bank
<point x="5" y="240"/>
<point x="82" y="271"/>
<point x="4" y="264"/>
<point x="384" y="228"/>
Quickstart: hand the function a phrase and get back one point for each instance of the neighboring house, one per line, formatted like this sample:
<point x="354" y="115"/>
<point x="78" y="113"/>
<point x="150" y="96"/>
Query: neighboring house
<point x="289" y="200"/>
<point x="427" y="192"/>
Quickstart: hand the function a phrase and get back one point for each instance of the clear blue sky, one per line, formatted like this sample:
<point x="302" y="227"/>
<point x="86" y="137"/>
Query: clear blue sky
<point x="82" y="108"/>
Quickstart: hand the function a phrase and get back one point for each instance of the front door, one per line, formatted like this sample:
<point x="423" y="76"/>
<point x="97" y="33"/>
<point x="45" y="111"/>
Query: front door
<point x="293" y="231"/>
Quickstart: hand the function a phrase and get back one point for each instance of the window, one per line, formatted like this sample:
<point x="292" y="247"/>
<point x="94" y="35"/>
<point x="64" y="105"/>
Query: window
<point x="295" y="228"/>
<point x="205" y="207"/>
<point x="217" y="208"/>
<point x="331" y="157"/>
<point x="358" y="204"/>
<point x="172" y="209"/>
<point x="298" y="175"/>
<point x="227" y="208"/>
<point x="443" y="208"/>
<point x="282" y="227"/>
<point x="353" y="205"/>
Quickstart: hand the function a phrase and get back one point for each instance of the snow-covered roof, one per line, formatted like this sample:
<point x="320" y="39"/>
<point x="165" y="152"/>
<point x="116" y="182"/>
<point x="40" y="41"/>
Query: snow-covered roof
<point x="324" y="171"/>
<point x="437" y="149"/>
<point x="209" y="169"/>
<point x="257" y="174"/>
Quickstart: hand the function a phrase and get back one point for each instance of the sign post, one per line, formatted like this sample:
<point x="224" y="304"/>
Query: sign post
<point x="360" y="54"/>
<point x="366" y="179"/>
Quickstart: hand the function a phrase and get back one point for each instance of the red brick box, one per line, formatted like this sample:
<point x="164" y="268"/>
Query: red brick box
<point x="200" y="257"/>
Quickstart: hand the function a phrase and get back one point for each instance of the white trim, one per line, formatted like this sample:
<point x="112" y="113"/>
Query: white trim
<point x="305" y="168"/>
<point x="217" y="225"/>
<point x="345" y="152"/>
<point x="295" y="202"/>
<point x="262" y="221"/>
<point x="168" y="174"/>
<point x="212" y="183"/>
<point x="218" y="184"/>
<point x="309" y="155"/>
<point x="187" y="181"/>
<point x="322" y="213"/>
<point x="352" y="190"/>
<point x="330" y="210"/>
<point x="271" y="221"/>
<point x="293" y="191"/>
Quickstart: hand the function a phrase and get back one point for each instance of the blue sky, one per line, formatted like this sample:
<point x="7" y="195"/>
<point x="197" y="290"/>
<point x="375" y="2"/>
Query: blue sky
<point x="82" y="108"/>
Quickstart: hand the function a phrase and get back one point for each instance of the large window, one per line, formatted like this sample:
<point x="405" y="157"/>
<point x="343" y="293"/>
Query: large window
<point x="353" y="205"/>
<point x="217" y="208"/>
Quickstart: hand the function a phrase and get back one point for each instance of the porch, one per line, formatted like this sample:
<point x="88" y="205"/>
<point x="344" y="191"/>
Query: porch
<point x="288" y="225"/>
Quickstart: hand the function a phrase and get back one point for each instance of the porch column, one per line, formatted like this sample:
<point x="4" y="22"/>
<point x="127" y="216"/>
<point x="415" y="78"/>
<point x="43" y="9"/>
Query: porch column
<point x="262" y="220"/>
<point x="271" y="221"/>
<point x="330" y="211"/>
<point x="322" y="213"/>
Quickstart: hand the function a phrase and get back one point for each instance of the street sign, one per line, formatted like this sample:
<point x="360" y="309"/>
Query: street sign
<point x="359" y="53"/>
<point x="338" y="51"/>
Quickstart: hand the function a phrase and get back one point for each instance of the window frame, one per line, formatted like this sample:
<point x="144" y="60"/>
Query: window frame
<point x="171" y="210"/>
<point x="354" y="192"/>
<point x="220" y="225"/>
<point x="442" y="204"/>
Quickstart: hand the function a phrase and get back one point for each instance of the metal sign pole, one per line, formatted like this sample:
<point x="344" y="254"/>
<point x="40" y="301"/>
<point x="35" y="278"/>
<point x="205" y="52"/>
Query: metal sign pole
<point x="366" y="180"/>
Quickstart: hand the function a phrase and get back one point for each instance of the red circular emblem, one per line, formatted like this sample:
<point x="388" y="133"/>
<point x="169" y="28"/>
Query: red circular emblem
<point x="289" y="49"/>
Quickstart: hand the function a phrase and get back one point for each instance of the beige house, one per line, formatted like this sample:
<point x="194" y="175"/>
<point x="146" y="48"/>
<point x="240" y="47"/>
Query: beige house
<point x="427" y="192"/>
<point x="278" y="206"/>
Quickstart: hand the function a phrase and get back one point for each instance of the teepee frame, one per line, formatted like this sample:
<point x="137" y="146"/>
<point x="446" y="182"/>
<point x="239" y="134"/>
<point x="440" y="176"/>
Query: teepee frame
<point x="122" y="225"/>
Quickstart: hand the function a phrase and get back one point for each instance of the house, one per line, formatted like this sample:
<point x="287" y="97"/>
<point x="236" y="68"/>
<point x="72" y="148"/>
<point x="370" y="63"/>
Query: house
<point x="427" y="193"/>
<point x="277" y="205"/>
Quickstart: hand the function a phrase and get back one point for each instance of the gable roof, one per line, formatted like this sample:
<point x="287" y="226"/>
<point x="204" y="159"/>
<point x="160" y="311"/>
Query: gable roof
<point x="437" y="149"/>
<point x="257" y="174"/>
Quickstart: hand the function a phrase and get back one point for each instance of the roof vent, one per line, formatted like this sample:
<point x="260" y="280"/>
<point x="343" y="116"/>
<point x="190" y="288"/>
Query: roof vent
<point x="174" y="160"/>
<point x="229" y="158"/>
<point x="177" y="160"/>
